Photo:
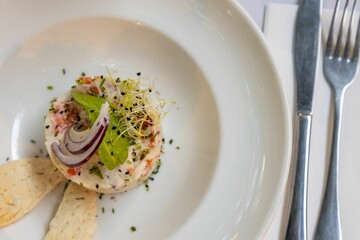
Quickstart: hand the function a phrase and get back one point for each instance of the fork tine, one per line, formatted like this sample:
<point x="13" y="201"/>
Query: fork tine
<point x="329" y="41"/>
<point x="339" y="38"/>
<point x="357" y="44"/>
<point x="348" y="37"/>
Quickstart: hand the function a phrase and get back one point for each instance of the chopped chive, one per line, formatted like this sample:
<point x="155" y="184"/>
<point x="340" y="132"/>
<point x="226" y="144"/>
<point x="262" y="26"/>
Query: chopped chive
<point x="171" y="141"/>
<point x="95" y="170"/>
<point x="138" y="73"/>
<point x="40" y="173"/>
<point x="133" y="229"/>
<point x="50" y="87"/>
<point x="103" y="210"/>
<point x="113" y="210"/>
<point x="80" y="198"/>
<point x="32" y="141"/>
<point x="102" y="82"/>
<point x="157" y="168"/>
<point x="64" y="71"/>
<point x="83" y="74"/>
<point x="177" y="148"/>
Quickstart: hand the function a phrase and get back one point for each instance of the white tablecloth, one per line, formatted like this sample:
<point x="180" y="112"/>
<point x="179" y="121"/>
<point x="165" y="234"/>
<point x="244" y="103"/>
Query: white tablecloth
<point x="278" y="29"/>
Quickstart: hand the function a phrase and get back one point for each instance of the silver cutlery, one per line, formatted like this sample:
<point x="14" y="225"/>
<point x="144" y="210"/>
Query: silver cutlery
<point x="307" y="35"/>
<point x="340" y="68"/>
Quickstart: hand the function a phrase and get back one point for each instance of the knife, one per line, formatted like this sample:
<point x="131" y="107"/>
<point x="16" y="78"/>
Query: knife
<point x="307" y="34"/>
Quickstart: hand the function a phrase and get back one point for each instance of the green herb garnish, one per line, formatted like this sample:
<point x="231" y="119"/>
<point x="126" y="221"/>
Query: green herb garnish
<point x="111" y="142"/>
<point x="156" y="171"/>
<point x="95" y="170"/>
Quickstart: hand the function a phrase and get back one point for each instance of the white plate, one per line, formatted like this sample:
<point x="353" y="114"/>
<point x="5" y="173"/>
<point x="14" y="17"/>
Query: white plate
<point x="231" y="119"/>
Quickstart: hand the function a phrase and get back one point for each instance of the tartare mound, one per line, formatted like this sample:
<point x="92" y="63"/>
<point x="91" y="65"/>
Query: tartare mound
<point x="132" y="144"/>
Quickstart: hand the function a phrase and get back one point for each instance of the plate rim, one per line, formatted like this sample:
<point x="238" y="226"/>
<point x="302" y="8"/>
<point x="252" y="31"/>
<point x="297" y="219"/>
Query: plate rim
<point x="281" y="190"/>
<point x="276" y="199"/>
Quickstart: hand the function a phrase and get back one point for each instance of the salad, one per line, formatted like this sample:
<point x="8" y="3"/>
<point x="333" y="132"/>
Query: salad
<point x="105" y="133"/>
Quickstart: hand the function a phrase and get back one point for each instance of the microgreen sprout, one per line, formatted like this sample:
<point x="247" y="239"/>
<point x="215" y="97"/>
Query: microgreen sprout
<point x="137" y="107"/>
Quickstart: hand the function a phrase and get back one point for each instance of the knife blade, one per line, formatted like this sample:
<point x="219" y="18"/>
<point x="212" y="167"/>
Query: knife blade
<point x="306" y="48"/>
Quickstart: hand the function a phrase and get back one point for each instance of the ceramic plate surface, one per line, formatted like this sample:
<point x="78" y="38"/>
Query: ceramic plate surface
<point x="231" y="120"/>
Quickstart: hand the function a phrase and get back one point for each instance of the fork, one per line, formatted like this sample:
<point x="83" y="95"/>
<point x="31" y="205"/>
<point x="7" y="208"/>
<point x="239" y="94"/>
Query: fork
<point x="340" y="68"/>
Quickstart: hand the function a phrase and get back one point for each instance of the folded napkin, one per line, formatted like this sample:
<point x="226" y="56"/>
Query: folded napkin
<point x="279" y="31"/>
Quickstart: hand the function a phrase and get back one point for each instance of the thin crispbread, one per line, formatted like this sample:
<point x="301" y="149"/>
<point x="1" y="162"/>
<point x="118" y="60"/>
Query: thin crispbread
<point x="75" y="218"/>
<point x="23" y="183"/>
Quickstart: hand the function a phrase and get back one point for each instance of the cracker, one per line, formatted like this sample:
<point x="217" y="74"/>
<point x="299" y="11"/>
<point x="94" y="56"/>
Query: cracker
<point x="75" y="218"/>
<point x="23" y="183"/>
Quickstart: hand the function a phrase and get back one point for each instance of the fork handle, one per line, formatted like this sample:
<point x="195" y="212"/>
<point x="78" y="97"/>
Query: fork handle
<point x="296" y="229"/>
<point x="329" y="227"/>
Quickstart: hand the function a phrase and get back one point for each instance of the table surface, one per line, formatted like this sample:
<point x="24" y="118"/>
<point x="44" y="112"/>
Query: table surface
<point x="256" y="8"/>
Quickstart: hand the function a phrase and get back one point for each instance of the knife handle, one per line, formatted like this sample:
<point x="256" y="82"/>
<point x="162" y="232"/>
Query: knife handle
<point x="296" y="228"/>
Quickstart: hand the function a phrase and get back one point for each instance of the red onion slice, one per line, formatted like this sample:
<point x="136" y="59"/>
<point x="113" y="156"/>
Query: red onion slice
<point x="75" y="153"/>
<point x="80" y="136"/>
<point x="80" y="147"/>
<point x="74" y="160"/>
